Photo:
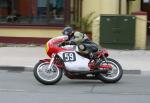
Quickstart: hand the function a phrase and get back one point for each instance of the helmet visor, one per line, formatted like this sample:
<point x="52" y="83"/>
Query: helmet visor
<point x="66" y="32"/>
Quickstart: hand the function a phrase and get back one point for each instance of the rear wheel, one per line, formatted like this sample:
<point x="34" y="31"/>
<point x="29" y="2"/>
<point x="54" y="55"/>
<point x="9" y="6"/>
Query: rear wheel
<point x="45" y="75"/>
<point x="114" y="74"/>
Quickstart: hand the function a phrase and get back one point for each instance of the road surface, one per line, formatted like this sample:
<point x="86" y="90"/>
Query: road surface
<point x="21" y="87"/>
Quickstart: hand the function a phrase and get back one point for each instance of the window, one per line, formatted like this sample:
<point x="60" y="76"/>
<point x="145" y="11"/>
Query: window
<point x="145" y="1"/>
<point x="34" y="12"/>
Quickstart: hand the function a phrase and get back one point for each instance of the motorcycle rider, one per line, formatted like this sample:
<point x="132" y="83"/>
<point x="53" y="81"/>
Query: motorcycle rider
<point x="85" y="45"/>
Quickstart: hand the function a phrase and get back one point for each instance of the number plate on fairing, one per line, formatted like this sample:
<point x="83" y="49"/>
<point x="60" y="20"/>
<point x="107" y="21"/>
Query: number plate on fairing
<point x="69" y="57"/>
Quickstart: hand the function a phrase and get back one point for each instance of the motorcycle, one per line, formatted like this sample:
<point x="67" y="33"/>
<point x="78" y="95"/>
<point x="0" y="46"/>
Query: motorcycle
<point x="69" y="61"/>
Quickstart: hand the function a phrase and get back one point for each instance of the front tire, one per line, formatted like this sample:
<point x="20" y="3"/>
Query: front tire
<point x="113" y="75"/>
<point x="45" y="76"/>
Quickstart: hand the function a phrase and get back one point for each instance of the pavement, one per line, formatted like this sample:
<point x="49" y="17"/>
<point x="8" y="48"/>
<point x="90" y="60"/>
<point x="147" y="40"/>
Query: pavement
<point x="23" y="58"/>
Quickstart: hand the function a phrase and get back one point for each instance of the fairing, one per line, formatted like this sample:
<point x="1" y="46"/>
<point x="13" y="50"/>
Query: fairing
<point x="51" y="45"/>
<point x="76" y="62"/>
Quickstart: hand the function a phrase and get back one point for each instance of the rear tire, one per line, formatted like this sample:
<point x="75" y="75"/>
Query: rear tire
<point x="45" y="77"/>
<point x="116" y="68"/>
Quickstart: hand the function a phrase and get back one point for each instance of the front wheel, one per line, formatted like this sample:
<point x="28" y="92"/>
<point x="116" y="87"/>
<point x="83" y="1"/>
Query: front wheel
<point x="47" y="76"/>
<point x="114" y="74"/>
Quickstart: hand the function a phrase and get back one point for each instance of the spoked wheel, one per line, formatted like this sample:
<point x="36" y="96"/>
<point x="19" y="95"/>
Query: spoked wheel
<point x="46" y="75"/>
<point x="114" y="74"/>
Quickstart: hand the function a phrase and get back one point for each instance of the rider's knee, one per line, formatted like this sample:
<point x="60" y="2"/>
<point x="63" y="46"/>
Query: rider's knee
<point x="82" y="47"/>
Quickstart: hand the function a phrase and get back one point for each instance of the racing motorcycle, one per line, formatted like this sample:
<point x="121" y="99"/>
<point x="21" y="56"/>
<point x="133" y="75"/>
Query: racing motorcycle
<point x="69" y="61"/>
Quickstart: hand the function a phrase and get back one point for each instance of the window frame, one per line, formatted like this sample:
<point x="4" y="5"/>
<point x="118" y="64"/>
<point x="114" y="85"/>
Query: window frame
<point x="21" y="25"/>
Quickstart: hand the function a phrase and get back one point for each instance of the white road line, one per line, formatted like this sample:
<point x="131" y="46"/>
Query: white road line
<point x="12" y="90"/>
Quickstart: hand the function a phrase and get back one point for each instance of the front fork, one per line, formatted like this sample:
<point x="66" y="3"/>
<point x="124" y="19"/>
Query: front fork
<point x="104" y="58"/>
<point x="100" y="60"/>
<point x="51" y="62"/>
<point x="104" y="67"/>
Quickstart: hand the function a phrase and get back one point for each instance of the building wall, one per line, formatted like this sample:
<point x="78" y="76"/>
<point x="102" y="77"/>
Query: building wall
<point x="27" y="35"/>
<point x="124" y="7"/>
<point x="100" y="7"/>
<point x="90" y="6"/>
<point x="109" y="6"/>
<point x="22" y="32"/>
<point x="141" y="34"/>
<point x="134" y="6"/>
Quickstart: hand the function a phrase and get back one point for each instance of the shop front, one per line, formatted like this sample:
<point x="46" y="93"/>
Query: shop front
<point x="36" y="18"/>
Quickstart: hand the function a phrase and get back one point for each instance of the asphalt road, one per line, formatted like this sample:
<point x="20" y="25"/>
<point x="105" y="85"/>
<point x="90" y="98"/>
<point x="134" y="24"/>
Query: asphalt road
<point x="21" y="87"/>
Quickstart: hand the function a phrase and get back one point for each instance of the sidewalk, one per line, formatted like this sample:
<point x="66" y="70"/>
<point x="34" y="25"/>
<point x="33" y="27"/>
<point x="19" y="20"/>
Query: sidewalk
<point x="26" y="57"/>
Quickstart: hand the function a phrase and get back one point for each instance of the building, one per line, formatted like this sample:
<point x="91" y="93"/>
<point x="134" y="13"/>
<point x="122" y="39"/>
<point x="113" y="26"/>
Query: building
<point x="35" y="21"/>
